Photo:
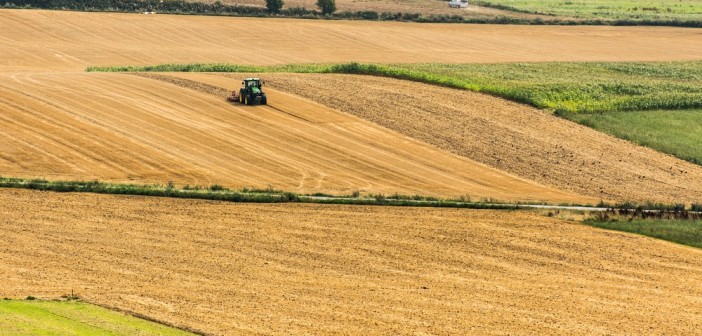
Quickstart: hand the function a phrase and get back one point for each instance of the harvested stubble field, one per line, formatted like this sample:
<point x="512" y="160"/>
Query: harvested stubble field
<point x="313" y="269"/>
<point x="35" y="40"/>
<point x="116" y="127"/>
<point x="521" y="140"/>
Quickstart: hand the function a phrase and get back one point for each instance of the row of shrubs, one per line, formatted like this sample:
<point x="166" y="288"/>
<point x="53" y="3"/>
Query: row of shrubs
<point x="218" y="8"/>
<point x="270" y="195"/>
<point x="220" y="193"/>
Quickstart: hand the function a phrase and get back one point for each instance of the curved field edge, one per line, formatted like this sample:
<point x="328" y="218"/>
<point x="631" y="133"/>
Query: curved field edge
<point x="584" y="87"/>
<point x="677" y="132"/>
<point x="40" y="317"/>
<point x="581" y="92"/>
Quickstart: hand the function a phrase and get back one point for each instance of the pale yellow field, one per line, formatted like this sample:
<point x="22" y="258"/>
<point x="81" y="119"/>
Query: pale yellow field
<point x="68" y="41"/>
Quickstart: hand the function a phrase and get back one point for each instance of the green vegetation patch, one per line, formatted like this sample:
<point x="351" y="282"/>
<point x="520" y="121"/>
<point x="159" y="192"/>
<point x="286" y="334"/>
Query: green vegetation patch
<point x="562" y="87"/>
<point x="605" y="9"/>
<point x="675" y="132"/>
<point x="73" y="318"/>
<point x="583" y="87"/>
<point x="686" y="232"/>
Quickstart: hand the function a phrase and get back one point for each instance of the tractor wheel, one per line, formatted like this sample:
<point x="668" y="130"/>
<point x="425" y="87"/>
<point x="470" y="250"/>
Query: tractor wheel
<point x="241" y="98"/>
<point x="247" y="101"/>
<point x="264" y="100"/>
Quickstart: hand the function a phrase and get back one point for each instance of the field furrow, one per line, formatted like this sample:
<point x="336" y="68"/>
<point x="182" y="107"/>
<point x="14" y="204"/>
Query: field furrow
<point x="512" y="137"/>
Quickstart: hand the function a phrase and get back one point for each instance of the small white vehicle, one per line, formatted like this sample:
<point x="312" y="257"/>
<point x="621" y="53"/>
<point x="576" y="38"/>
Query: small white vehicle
<point x="458" y="3"/>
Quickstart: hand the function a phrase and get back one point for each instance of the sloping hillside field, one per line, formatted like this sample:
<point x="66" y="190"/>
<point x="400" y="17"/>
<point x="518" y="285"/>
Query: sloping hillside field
<point x="512" y="137"/>
<point x="319" y="269"/>
<point x="127" y="128"/>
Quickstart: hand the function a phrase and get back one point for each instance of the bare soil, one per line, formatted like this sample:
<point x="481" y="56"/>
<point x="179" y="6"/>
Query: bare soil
<point x="124" y="128"/>
<point x="511" y="137"/>
<point x="227" y="268"/>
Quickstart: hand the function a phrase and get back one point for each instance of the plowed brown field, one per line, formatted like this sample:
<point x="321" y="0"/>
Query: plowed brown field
<point x="115" y="127"/>
<point x="70" y="41"/>
<point x="310" y="269"/>
<point x="512" y="137"/>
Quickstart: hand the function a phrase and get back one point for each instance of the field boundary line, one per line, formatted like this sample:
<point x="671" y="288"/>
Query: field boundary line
<point x="246" y="195"/>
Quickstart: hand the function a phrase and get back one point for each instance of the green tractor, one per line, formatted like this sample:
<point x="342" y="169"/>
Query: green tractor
<point x="250" y="93"/>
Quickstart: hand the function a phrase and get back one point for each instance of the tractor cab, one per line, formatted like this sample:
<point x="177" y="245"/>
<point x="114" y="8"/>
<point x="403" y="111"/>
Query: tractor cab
<point x="250" y="93"/>
<point x="252" y="83"/>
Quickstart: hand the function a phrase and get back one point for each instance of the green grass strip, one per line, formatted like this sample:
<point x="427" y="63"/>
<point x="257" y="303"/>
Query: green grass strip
<point x="677" y="132"/>
<point x="268" y="195"/>
<point x="35" y="317"/>
<point x="219" y="193"/>
<point x="686" y="232"/>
